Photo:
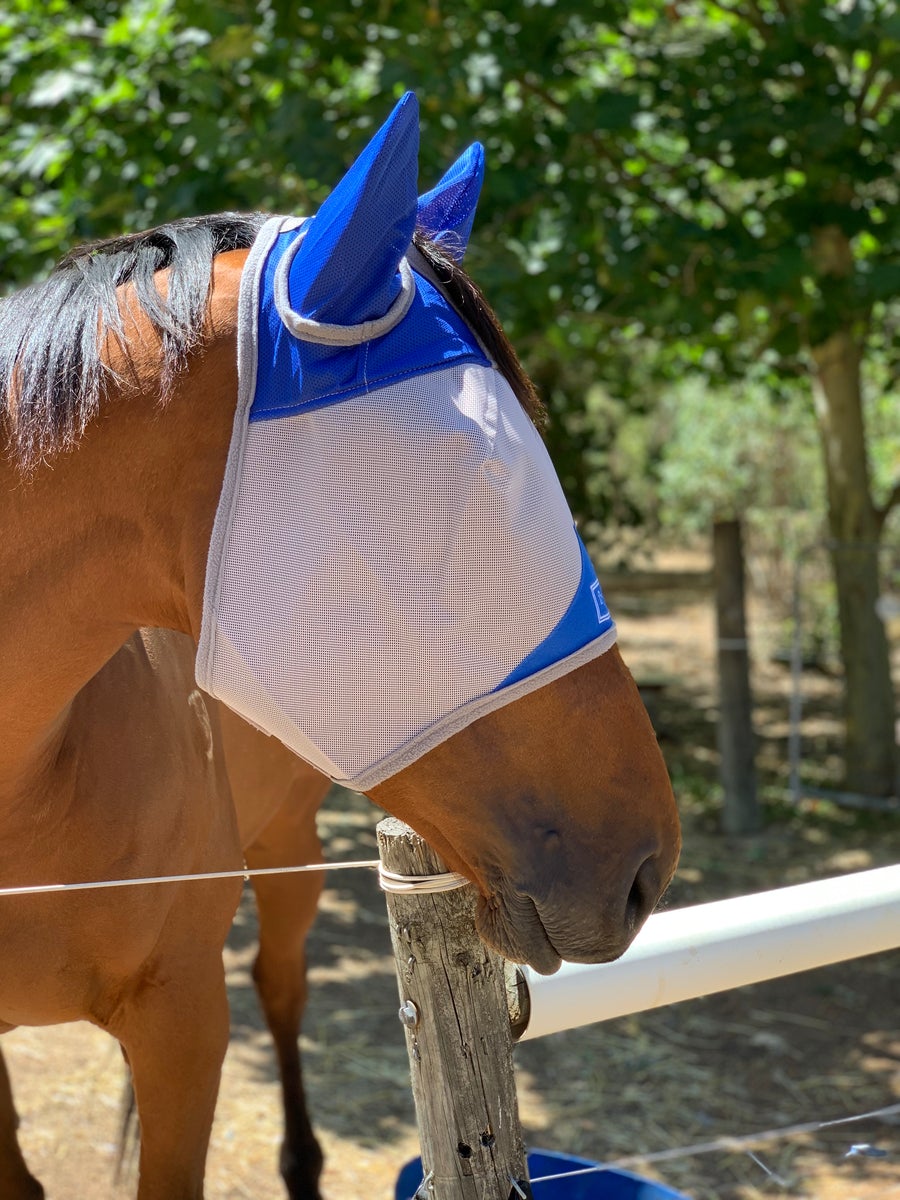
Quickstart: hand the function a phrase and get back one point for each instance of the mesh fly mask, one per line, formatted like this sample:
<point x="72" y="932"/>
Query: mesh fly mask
<point x="392" y="555"/>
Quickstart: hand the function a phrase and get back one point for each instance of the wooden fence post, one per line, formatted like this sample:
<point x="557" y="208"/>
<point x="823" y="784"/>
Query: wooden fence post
<point x="454" y="1009"/>
<point x="741" y="813"/>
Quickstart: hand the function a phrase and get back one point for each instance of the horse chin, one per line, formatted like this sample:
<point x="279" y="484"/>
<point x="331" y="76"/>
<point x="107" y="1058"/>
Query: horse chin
<point x="514" y="925"/>
<point x="513" y="928"/>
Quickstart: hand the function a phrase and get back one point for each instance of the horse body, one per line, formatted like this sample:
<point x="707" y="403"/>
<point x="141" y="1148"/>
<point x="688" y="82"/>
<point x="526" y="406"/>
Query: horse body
<point x="555" y="801"/>
<point x="145" y="793"/>
<point x="276" y="797"/>
<point x="116" y="765"/>
<point x="135" y="786"/>
<point x="112" y="763"/>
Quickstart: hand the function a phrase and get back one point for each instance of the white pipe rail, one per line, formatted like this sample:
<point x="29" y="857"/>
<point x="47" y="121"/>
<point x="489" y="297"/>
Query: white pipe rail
<point x="692" y="952"/>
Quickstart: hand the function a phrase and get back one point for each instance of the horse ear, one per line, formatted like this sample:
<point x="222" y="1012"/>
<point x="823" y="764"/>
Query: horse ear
<point x="447" y="212"/>
<point x="345" y="271"/>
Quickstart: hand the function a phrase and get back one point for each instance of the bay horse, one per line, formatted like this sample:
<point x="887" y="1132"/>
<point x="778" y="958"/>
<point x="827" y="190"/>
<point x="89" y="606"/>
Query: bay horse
<point x="276" y="796"/>
<point x="292" y="465"/>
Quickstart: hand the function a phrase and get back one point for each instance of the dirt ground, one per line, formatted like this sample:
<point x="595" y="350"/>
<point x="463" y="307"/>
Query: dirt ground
<point x="809" y="1048"/>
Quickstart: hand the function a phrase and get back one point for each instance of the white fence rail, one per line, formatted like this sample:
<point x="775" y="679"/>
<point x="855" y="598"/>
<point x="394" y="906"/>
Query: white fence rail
<point x="695" y="951"/>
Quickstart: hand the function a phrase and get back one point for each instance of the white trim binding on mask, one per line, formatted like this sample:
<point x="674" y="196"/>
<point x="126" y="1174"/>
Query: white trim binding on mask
<point x="457" y="720"/>
<point x="247" y="314"/>
<point x="308" y="330"/>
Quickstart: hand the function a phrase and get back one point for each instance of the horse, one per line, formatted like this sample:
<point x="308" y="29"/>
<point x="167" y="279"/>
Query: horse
<point x="293" y="465"/>
<point x="276" y="796"/>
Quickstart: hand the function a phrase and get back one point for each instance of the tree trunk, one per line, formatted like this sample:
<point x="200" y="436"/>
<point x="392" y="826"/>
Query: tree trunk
<point x="740" y="811"/>
<point x="855" y="530"/>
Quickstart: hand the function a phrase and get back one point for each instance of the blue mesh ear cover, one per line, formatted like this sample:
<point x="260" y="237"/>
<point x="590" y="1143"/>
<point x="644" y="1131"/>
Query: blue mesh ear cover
<point x="346" y="270"/>
<point x="294" y="376"/>
<point x="446" y="213"/>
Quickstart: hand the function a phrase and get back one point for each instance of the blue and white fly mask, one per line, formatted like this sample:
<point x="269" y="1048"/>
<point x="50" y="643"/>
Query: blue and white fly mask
<point x="392" y="555"/>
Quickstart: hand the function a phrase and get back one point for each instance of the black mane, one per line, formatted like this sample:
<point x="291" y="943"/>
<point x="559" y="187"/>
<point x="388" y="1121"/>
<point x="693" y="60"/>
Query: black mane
<point x="52" y="376"/>
<point x="51" y="373"/>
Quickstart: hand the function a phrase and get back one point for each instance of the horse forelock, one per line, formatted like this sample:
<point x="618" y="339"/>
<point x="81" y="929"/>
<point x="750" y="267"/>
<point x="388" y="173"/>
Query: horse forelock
<point x="53" y="370"/>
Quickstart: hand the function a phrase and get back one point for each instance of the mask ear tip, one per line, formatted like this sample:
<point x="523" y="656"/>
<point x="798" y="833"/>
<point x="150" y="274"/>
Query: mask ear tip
<point x="447" y="212"/>
<point x="345" y="272"/>
<point x="405" y="112"/>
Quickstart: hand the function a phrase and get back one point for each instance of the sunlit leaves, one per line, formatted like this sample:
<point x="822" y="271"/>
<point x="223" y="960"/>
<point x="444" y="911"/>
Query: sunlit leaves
<point x="661" y="166"/>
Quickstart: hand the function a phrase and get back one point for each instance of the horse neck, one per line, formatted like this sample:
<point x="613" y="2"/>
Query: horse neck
<point x="112" y="535"/>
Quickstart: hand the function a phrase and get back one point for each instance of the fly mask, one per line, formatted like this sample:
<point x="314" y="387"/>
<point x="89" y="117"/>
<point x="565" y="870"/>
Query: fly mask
<point x="392" y="554"/>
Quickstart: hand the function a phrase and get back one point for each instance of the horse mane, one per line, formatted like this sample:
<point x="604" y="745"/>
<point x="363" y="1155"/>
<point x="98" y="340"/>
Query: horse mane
<point x="469" y="301"/>
<point x="52" y="375"/>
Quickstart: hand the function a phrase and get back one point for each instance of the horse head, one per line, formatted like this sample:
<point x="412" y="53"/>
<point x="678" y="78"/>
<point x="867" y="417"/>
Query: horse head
<point x="395" y="587"/>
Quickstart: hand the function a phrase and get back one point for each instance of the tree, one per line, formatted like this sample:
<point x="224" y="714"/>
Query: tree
<point x="722" y="178"/>
<point x="758" y="168"/>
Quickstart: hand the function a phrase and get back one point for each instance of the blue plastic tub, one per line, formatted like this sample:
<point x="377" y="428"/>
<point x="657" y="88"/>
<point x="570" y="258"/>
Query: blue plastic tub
<point x="611" y="1184"/>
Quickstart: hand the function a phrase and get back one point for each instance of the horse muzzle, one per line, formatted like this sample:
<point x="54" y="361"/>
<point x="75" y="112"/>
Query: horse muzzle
<point x="541" y="927"/>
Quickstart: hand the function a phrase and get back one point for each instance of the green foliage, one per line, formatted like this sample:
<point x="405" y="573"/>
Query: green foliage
<point x="120" y="116"/>
<point x="733" y="454"/>
<point x="715" y="180"/>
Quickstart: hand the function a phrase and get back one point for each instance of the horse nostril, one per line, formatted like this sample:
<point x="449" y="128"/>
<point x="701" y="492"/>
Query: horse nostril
<point x="643" y="896"/>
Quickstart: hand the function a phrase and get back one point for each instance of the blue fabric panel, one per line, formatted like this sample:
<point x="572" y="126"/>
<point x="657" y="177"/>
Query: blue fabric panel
<point x="586" y="618"/>
<point x="294" y="375"/>
<point x="346" y="270"/>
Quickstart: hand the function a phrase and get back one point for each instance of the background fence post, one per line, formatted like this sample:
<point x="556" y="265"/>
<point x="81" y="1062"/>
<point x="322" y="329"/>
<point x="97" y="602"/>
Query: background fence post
<point x="741" y="812"/>
<point x="454" y="1009"/>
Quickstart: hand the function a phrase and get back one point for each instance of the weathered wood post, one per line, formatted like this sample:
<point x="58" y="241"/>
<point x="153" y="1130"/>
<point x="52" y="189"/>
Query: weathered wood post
<point x="454" y="1009"/>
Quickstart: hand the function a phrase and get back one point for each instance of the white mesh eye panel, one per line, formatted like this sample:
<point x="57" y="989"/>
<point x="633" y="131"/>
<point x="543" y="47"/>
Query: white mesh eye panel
<point x="389" y="559"/>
